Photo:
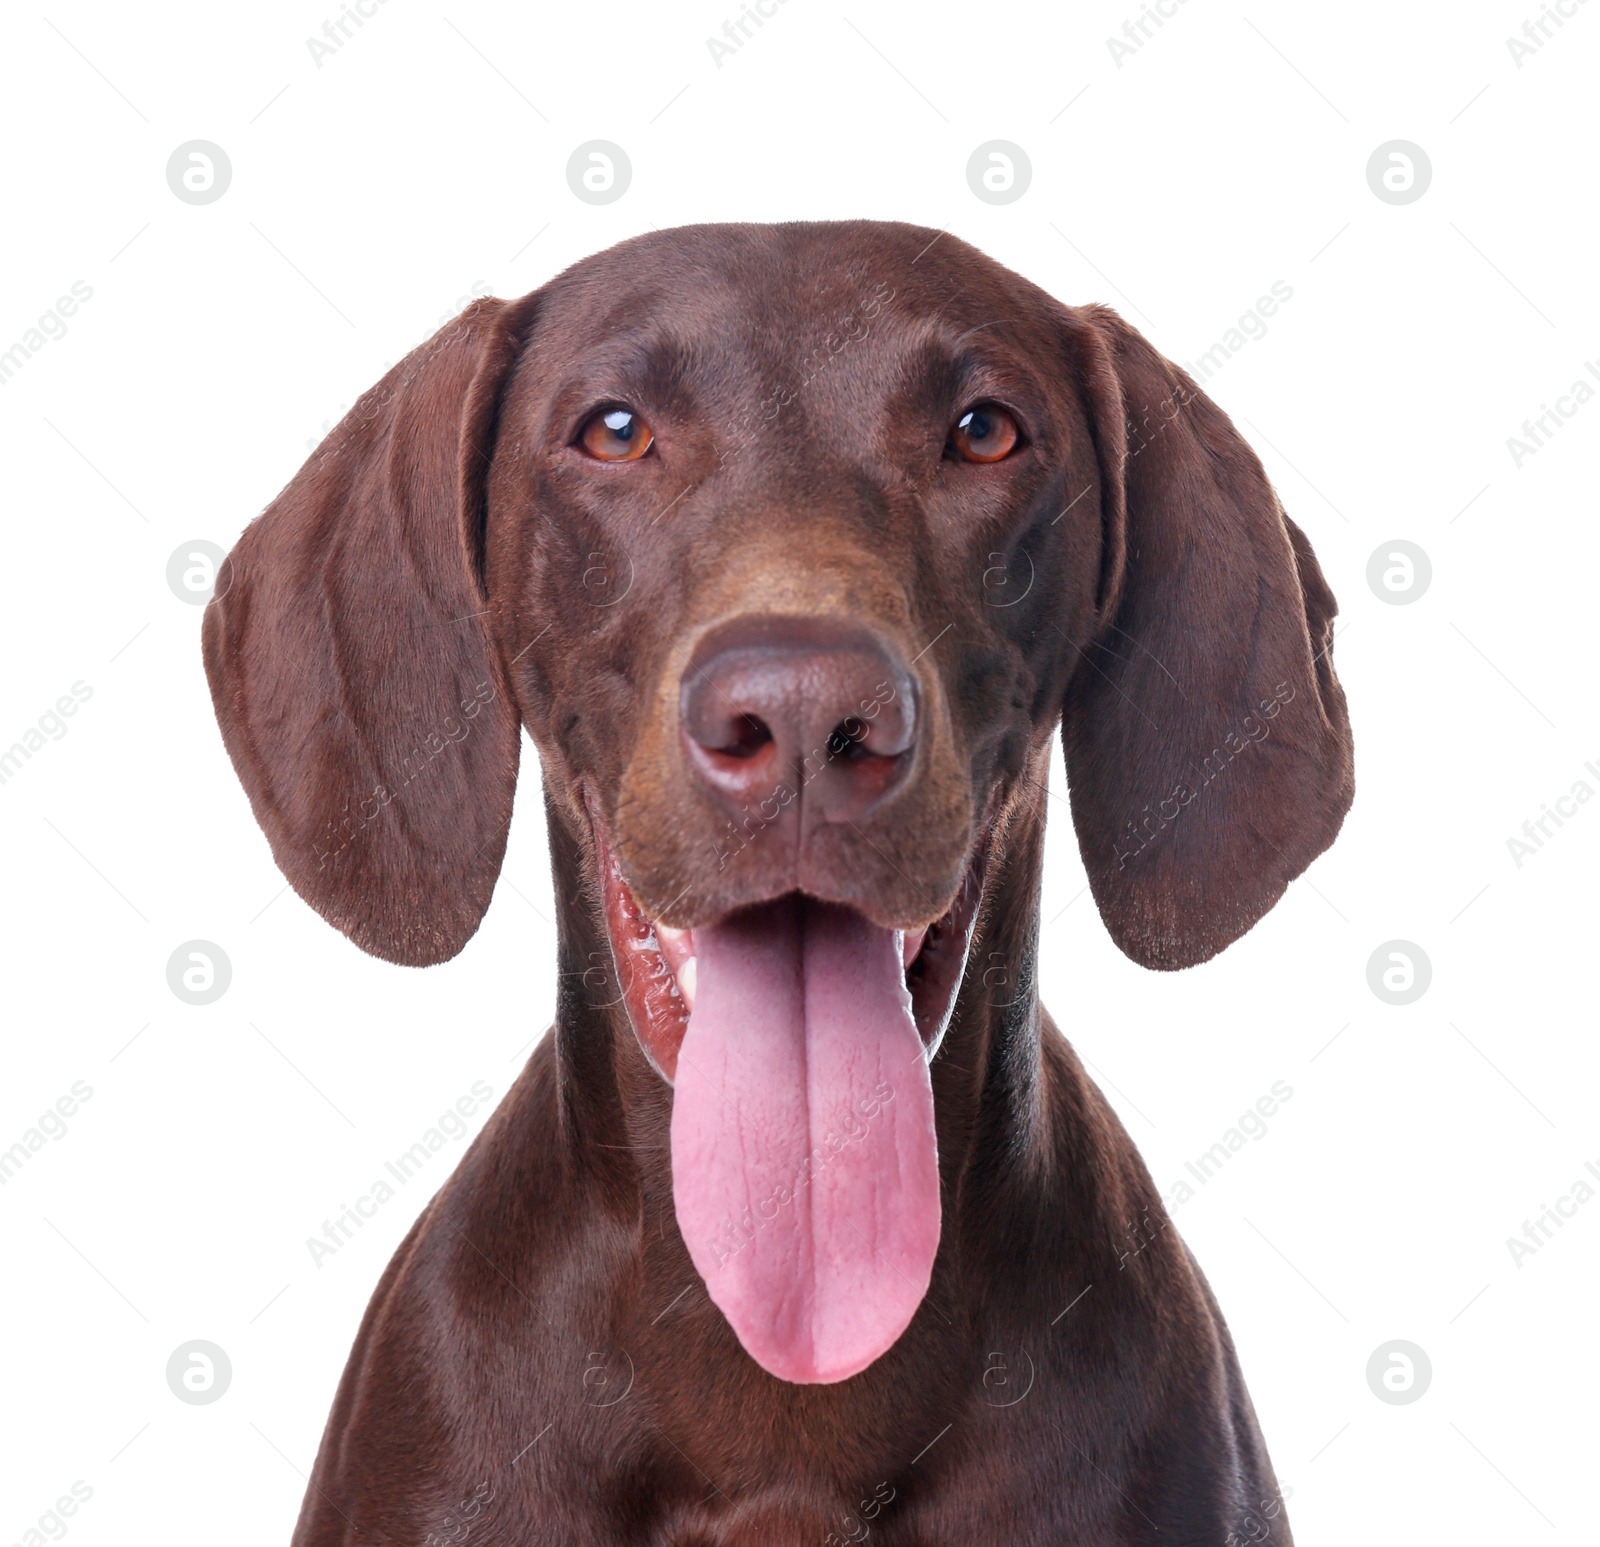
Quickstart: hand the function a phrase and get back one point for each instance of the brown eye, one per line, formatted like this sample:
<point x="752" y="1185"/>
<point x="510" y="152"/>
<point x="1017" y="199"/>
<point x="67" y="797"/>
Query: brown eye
<point x="616" y="435"/>
<point x="984" y="434"/>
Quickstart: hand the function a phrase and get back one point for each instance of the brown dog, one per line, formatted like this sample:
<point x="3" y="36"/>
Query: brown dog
<point x="790" y="545"/>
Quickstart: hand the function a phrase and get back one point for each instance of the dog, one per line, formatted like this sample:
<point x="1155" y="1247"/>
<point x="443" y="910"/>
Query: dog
<point x="791" y="546"/>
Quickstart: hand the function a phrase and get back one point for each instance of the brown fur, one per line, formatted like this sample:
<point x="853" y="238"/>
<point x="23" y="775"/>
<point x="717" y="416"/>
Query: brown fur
<point x="540" y="1362"/>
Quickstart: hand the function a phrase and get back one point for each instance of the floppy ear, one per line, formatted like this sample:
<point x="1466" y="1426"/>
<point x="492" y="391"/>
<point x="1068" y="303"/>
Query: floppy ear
<point x="365" y="709"/>
<point x="1207" y="741"/>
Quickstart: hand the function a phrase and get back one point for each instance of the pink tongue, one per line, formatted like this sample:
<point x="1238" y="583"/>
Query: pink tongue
<point x="804" y="1166"/>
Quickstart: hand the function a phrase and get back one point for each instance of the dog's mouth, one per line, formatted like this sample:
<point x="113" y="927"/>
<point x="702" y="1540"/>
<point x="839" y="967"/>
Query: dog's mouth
<point x="796" y="1035"/>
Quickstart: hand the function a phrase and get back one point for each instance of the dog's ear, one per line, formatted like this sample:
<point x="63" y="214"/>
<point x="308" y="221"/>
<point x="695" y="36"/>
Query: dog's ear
<point x="366" y="711"/>
<point x="1207" y="741"/>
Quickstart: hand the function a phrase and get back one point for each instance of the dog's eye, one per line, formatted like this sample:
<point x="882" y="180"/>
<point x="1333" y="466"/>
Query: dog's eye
<point x="984" y="434"/>
<point x="616" y="435"/>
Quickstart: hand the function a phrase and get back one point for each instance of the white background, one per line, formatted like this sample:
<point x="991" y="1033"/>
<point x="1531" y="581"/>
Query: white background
<point x="425" y="160"/>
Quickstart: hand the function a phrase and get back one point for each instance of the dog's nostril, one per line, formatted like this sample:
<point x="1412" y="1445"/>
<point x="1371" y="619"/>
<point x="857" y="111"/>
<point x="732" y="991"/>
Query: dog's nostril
<point x="747" y="735"/>
<point x="848" y="739"/>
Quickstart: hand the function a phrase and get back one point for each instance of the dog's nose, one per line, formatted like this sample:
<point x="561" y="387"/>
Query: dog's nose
<point x="826" y="711"/>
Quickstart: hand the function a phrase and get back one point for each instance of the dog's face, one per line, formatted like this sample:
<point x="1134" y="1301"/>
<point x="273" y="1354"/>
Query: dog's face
<point x="790" y="546"/>
<point x="806" y="530"/>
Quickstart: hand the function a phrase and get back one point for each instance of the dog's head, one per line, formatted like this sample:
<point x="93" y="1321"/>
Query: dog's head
<point x="790" y="546"/>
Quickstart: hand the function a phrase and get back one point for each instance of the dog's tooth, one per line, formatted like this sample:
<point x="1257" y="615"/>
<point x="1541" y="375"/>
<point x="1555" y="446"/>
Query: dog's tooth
<point x="686" y="980"/>
<point x="675" y="945"/>
<point x="910" y="943"/>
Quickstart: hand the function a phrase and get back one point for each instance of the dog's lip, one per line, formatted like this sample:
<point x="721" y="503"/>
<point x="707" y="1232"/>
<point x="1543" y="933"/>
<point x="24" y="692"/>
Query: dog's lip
<point x="656" y="963"/>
